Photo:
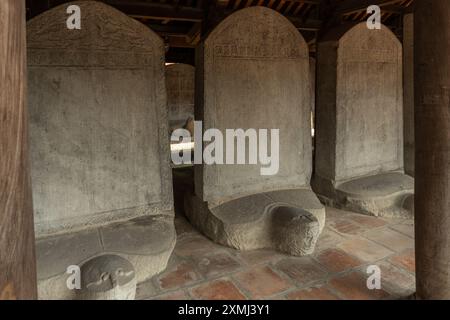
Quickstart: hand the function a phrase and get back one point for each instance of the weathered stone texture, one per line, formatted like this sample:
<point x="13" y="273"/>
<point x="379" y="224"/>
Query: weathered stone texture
<point x="180" y="83"/>
<point x="99" y="144"/>
<point x="108" y="277"/>
<point x="253" y="72"/>
<point x="359" y="118"/>
<point x="312" y="68"/>
<point x="98" y="116"/>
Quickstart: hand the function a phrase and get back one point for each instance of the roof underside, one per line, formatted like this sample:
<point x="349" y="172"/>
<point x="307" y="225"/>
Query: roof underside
<point x="183" y="23"/>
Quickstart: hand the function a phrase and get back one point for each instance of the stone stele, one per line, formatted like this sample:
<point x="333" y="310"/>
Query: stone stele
<point x="98" y="137"/>
<point x="253" y="72"/>
<point x="180" y="80"/>
<point x="359" y="122"/>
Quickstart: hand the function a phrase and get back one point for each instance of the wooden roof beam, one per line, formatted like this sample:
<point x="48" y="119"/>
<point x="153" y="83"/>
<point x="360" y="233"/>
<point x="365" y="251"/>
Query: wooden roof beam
<point x="359" y="5"/>
<point x="307" y="25"/>
<point x="157" y="11"/>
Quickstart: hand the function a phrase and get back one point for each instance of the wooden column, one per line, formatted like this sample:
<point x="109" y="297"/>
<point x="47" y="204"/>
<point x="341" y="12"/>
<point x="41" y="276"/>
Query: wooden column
<point x="408" y="92"/>
<point x="432" y="137"/>
<point x="17" y="256"/>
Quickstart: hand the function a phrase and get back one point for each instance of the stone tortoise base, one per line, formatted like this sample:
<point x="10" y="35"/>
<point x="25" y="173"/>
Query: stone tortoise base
<point x="385" y="195"/>
<point x="112" y="258"/>
<point x="289" y="221"/>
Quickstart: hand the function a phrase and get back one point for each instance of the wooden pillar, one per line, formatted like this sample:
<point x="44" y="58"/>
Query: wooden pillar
<point x="408" y="92"/>
<point x="432" y="136"/>
<point x="17" y="256"/>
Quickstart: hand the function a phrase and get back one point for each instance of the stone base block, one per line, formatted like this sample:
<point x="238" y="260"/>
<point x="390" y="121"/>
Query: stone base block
<point x="289" y="221"/>
<point x="107" y="277"/>
<point x="146" y="243"/>
<point x="384" y="195"/>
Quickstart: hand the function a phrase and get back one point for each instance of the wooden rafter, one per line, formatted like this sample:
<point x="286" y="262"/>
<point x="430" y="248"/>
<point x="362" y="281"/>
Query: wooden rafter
<point x="183" y="22"/>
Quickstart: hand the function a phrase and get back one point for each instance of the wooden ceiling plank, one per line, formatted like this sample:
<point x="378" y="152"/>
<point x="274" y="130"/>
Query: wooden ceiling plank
<point x="361" y="5"/>
<point x="289" y="7"/>
<point x="300" y="6"/>
<point x="280" y="5"/>
<point x="270" y="4"/>
<point x="158" y="11"/>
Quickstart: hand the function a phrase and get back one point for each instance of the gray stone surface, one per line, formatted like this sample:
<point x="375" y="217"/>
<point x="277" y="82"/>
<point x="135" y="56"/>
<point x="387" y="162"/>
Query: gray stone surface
<point x="384" y="194"/>
<point x="98" y="119"/>
<point x="146" y="242"/>
<point x="99" y="145"/>
<point x="312" y="69"/>
<point x="180" y="83"/>
<point x="359" y="118"/>
<point x="107" y="277"/>
<point x="253" y="72"/>
<point x="287" y="220"/>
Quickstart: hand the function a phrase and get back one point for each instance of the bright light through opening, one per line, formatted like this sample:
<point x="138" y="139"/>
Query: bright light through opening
<point x="181" y="146"/>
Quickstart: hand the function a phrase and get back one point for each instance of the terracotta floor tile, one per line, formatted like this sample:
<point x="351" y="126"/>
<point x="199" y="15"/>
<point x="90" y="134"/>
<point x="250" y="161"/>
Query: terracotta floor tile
<point x="353" y="286"/>
<point x="367" y="221"/>
<point x="364" y="249"/>
<point x="179" y="275"/>
<point x="336" y="260"/>
<point x="333" y="213"/>
<point x="213" y="265"/>
<point x="346" y="243"/>
<point x="261" y="282"/>
<point x="254" y="257"/>
<point x="176" y="295"/>
<point x="145" y="290"/>
<point x="328" y="239"/>
<point x="346" y="226"/>
<point x="313" y="293"/>
<point x="391" y="239"/>
<point x="302" y="270"/>
<point x="396" y="281"/>
<point x="217" y="290"/>
<point x="405" y="260"/>
<point x="404" y="228"/>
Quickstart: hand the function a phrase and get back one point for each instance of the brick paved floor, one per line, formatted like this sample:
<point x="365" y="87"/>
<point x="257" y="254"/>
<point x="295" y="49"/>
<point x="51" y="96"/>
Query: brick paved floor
<point x="201" y="269"/>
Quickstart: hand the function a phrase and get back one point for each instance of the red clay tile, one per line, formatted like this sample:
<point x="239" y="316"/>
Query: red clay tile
<point x="405" y="228"/>
<point x="396" y="280"/>
<point x="405" y="260"/>
<point x="336" y="260"/>
<point x="180" y="275"/>
<point x="145" y="290"/>
<point x="303" y="270"/>
<point x="333" y="213"/>
<point x="391" y="239"/>
<point x="328" y="239"/>
<point x="312" y="293"/>
<point x="345" y="226"/>
<point x="367" y="221"/>
<point x="353" y="286"/>
<point x="213" y="265"/>
<point x="261" y="282"/>
<point x="217" y="290"/>
<point x="177" y="295"/>
<point x="364" y="249"/>
<point x="254" y="257"/>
